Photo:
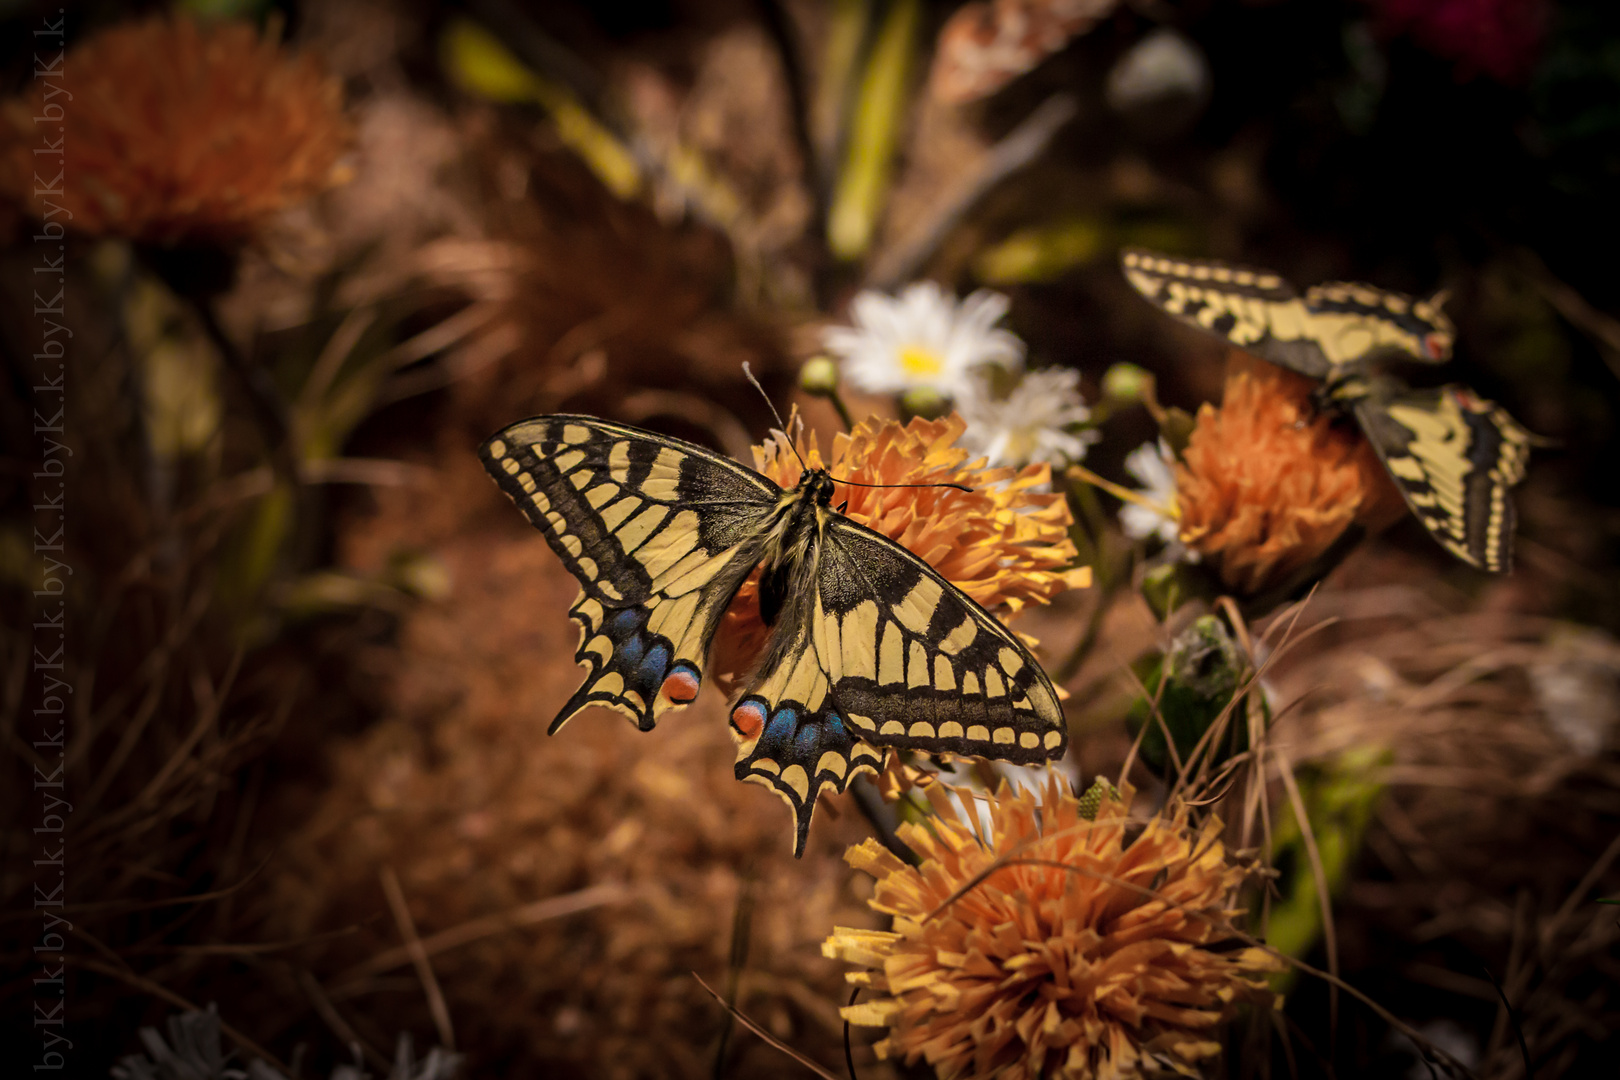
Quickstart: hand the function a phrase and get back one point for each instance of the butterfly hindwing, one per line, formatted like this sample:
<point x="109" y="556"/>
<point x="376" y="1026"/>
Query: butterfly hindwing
<point x="660" y="534"/>
<point x="876" y="649"/>
<point x="1333" y="327"/>
<point x="1369" y="321"/>
<point x="1454" y="457"/>
<point x="791" y="734"/>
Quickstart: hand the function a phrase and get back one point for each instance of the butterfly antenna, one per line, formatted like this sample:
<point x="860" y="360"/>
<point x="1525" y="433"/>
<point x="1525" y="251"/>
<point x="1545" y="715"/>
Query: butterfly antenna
<point x="941" y="484"/>
<point x="792" y="445"/>
<point x="749" y="375"/>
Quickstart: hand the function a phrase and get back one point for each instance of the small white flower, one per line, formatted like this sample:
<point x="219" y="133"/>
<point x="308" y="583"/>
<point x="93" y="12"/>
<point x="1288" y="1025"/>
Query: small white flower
<point x="1030" y="424"/>
<point x="922" y="338"/>
<point x="1155" y="515"/>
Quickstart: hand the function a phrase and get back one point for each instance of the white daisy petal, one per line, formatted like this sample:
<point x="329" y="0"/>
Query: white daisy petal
<point x="1033" y="423"/>
<point x="922" y="338"/>
<point x="1150" y="465"/>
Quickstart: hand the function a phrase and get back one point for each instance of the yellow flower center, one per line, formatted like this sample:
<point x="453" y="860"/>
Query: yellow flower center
<point x="918" y="360"/>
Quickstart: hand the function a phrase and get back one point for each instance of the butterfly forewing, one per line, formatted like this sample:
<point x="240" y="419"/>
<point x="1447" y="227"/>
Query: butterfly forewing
<point x="660" y="534"/>
<point x="1454" y="457"/>
<point x="1254" y="309"/>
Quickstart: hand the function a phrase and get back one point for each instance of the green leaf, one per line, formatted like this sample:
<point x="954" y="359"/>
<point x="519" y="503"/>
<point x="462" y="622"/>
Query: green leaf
<point x="1205" y="670"/>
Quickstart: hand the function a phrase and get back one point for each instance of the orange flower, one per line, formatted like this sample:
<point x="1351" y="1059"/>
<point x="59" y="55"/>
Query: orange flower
<point x="179" y="131"/>
<point x="1004" y="543"/>
<point x="1082" y="956"/>
<point x="1268" y="482"/>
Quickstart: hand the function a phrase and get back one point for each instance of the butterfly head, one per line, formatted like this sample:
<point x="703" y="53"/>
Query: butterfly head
<point x="817" y="485"/>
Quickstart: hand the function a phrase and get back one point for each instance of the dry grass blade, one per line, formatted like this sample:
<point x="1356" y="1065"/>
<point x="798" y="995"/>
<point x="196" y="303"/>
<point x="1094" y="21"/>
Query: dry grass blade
<point x="419" y="957"/>
<point x="1567" y="908"/>
<point x="553" y="907"/>
<point x="1324" y="899"/>
<point x="742" y="1018"/>
<point x="334" y="1020"/>
<point x="1021" y="146"/>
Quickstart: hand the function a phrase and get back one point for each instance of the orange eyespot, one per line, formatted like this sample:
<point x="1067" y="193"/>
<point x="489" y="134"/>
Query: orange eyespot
<point x="681" y="686"/>
<point x="749" y="719"/>
<point x="1435" y="345"/>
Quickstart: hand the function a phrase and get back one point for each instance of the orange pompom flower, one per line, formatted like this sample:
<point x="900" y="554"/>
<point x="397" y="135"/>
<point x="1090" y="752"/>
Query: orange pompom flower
<point x="178" y="131"/>
<point x="1049" y="945"/>
<point x="1005" y="542"/>
<point x="1268" y="482"/>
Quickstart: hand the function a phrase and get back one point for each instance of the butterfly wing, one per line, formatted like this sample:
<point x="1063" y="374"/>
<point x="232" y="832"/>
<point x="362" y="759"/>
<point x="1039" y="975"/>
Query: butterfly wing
<point x="659" y="532"/>
<point x="1355" y="321"/>
<point x="1254" y="309"/>
<point x="1454" y="456"/>
<point x="876" y="649"/>
<point x="1337" y="326"/>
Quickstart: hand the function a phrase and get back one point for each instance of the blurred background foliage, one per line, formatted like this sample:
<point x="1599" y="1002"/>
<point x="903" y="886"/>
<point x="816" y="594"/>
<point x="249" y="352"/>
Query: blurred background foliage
<point x="312" y="649"/>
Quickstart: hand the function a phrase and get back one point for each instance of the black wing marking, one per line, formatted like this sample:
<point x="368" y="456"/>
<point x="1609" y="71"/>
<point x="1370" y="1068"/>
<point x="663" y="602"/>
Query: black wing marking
<point x="659" y="532"/>
<point x="1455" y="458"/>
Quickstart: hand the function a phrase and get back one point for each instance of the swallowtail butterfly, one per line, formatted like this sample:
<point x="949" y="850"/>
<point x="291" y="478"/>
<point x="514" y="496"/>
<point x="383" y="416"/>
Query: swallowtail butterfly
<point x="1453" y="455"/>
<point x="869" y="646"/>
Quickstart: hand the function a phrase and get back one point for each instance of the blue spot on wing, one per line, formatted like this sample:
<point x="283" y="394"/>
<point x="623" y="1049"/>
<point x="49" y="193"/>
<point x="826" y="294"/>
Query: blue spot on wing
<point x="654" y="666"/>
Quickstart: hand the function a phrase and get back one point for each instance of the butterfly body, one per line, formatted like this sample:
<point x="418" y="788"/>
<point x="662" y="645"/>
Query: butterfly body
<point x="1453" y="455"/>
<point x="869" y="646"/>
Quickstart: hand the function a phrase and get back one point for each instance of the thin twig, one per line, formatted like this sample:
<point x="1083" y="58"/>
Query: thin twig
<point x="1603" y="328"/>
<point x="1513" y="1020"/>
<point x="742" y="1018"/>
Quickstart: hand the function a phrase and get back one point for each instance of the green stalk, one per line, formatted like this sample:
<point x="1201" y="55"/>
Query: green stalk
<point x="874" y="133"/>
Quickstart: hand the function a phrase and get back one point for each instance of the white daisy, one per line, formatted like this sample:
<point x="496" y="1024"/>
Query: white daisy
<point x="922" y="338"/>
<point x="1030" y="424"/>
<point x="1155" y="515"/>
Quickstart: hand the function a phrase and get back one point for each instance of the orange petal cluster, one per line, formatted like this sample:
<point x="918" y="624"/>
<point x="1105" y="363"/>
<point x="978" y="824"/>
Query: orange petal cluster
<point x="1051" y="946"/>
<point x="1269" y="482"/>
<point x="179" y="131"/>
<point x="1005" y="542"/>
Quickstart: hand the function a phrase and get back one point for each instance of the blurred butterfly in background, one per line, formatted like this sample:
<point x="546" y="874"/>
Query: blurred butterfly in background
<point x="869" y="646"/>
<point x="1453" y="455"/>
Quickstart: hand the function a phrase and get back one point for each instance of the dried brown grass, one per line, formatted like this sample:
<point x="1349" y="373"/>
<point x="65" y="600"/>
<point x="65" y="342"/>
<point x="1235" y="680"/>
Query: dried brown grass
<point x="1496" y="834"/>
